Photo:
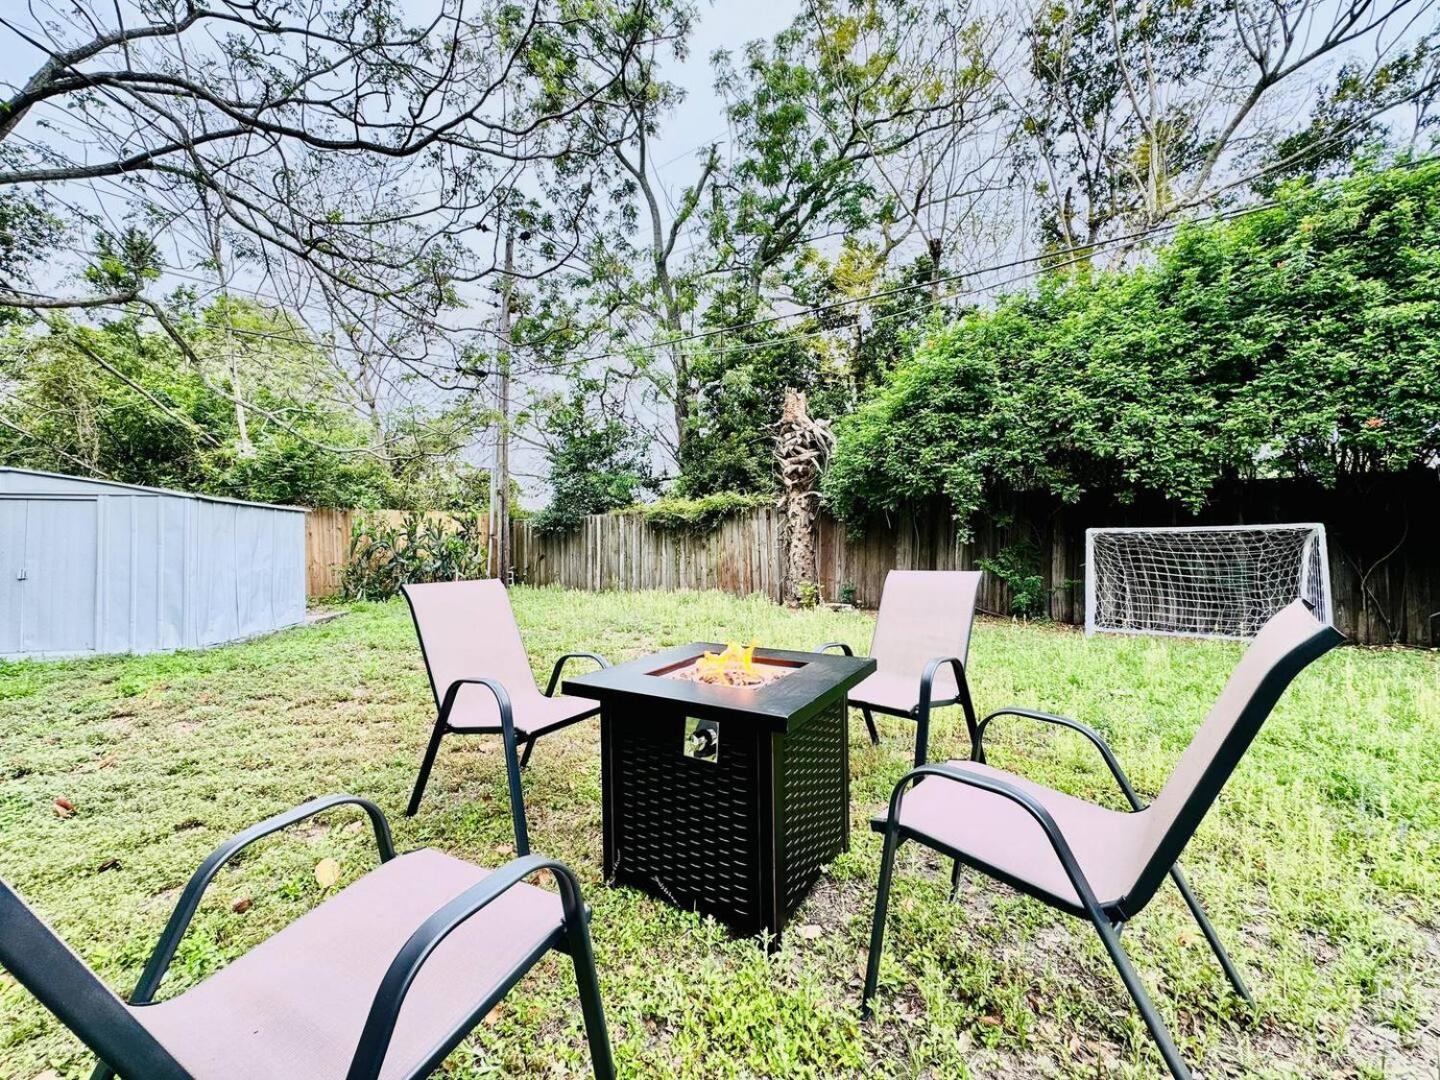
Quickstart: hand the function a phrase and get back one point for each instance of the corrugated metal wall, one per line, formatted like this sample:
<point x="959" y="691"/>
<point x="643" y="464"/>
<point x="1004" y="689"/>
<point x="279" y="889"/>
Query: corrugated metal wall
<point x="92" y="567"/>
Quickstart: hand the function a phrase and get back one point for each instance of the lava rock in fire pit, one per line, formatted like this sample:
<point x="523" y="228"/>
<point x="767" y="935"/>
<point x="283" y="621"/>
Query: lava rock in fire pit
<point x="736" y="666"/>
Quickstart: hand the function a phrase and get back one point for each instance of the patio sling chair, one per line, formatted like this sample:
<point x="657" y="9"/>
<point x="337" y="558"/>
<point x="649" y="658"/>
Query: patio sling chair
<point x="1100" y="864"/>
<point x="481" y="677"/>
<point x="922" y="636"/>
<point x="384" y="979"/>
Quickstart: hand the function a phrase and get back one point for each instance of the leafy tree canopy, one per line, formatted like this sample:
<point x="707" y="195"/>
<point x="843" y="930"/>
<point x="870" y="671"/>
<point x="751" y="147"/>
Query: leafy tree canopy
<point x="120" y="401"/>
<point x="740" y="380"/>
<point x="596" y="463"/>
<point x="1297" y="340"/>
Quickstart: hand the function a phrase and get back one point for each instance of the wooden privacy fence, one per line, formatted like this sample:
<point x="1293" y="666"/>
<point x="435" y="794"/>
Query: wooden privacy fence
<point x="327" y="543"/>
<point x="327" y="546"/>
<point x="1384" y="555"/>
<point x="744" y="555"/>
<point x="621" y="551"/>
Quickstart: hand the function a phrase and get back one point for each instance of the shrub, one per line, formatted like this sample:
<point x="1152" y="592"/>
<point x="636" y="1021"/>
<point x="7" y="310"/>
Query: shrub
<point x="1017" y="566"/>
<point x="702" y="514"/>
<point x="384" y="556"/>
<point x="808" y="594"/>
<point x="1299" y="340"/>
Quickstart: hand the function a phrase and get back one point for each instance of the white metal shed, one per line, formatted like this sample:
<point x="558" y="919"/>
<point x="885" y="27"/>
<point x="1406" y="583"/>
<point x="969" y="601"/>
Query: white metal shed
<point x="90" y="566"/>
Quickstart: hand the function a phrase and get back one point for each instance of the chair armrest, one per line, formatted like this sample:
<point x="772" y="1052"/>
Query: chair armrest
<point x="390" y="997"/>
<point x="835" y="645"/>
<point x="927" y="694"/>
<point x="555" y="672"/>
<point x="190" y="898"/>
<point x="1094" y="737"/>
<point x="512" y="758"/>
<point x="1026" y="801"/>
<point x="927" y="679"/>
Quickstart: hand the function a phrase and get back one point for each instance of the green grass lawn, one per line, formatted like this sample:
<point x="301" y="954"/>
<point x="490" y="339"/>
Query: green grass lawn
<point x="1320" y="865"/>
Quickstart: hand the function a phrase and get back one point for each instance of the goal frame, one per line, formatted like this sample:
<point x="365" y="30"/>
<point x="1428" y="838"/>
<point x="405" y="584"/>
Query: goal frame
<point x="1316" y="538"/>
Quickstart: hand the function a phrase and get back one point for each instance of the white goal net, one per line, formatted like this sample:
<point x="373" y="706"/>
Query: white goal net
<point x="1206" y="581"/>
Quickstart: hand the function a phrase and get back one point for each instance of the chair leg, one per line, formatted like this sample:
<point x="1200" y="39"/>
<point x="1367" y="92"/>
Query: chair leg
<point x="877" y="930"/>
<point x="922" y="735"/>
<point x="955" y="872"/>
<point x="587" y="982"/>
<point x="1231" y="971"/>
<point x="525" y="757"/>
<point x="870" y="723"/>
<point x="425" y="766"/>
<point x="1110" y="936"/>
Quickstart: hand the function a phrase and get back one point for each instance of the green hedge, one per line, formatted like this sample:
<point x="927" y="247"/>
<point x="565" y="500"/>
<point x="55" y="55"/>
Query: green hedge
<point x="1298" y="340"/>
<point x="702" y="514"/>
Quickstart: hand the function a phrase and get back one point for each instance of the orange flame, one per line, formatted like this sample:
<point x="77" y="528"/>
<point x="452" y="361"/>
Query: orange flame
<point x="735" y="660"/>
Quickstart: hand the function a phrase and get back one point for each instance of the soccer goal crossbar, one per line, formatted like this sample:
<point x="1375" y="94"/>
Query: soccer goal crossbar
<point x="1202" y="581"/>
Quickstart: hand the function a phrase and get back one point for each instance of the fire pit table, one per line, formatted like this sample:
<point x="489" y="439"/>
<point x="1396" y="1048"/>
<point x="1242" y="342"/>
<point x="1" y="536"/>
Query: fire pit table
<point x="728" y="800"/>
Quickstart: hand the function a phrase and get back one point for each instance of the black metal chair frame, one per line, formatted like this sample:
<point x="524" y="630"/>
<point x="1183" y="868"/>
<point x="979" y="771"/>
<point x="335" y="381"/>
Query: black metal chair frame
<point x="920" y="713"/>
<point x="1108" y="920"/>
<point x="513" y="738"/>
<point x="61" y="981"/>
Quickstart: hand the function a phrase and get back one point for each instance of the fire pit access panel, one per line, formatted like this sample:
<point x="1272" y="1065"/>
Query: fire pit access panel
<point x="728" y="800"/>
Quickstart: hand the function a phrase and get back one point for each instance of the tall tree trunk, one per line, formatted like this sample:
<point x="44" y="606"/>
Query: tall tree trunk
<point x="802" y="446"/>
<point x="670" y="308"/>
<point x="243" y="446"/>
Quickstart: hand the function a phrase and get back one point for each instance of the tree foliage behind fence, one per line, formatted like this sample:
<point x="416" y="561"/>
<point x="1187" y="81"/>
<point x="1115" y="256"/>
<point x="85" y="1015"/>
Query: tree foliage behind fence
<point x="1299" y="341"/>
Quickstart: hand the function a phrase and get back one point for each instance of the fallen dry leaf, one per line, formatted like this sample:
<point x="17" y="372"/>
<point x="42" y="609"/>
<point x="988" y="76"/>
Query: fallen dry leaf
<point x="108" y="864"/>
<point x="239" y="907"/>
<point x="64" y="807"/>
<point x="505" y="849"/>
<point x="327" y="872"/>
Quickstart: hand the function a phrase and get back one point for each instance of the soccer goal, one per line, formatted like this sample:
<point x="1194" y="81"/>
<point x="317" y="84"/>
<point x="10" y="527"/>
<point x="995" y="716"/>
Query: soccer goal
<point x="1206" y="581"/>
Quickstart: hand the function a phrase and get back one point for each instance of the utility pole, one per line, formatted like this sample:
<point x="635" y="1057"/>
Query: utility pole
<point x="500" y="475"/>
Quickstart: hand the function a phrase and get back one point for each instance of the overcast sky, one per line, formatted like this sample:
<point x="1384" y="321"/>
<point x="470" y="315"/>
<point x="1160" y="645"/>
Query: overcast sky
<point x="726" y="24"/>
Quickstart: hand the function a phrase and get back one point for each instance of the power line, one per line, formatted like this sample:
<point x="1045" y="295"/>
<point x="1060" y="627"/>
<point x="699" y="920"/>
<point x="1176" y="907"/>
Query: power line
<point x="1082" y="250"/>
<point x="934" y="302"/>
<point x="1051" y="261"/>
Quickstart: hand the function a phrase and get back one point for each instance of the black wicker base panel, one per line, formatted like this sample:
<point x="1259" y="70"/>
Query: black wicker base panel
<point x="738" y="820"/>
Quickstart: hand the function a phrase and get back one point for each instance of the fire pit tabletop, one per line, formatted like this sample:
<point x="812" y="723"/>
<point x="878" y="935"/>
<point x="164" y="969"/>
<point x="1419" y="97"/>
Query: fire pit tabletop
<point x="775" y="705"/>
